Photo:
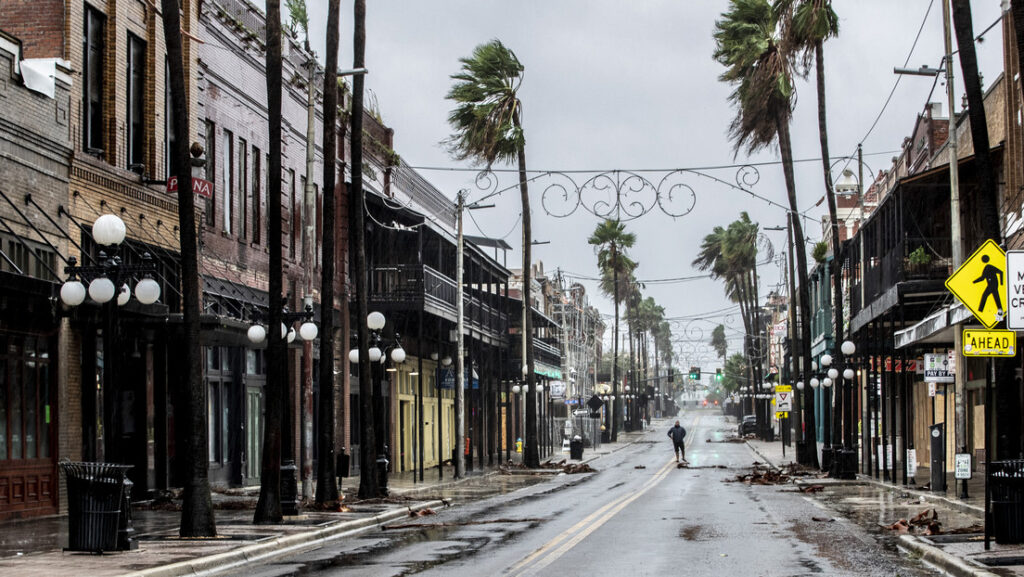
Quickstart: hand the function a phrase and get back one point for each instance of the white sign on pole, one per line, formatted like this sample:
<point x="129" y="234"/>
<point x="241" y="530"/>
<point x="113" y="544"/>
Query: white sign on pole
<point x="1015" y="289"/>
<point x="931" y="389"/>
<point x="784" y="401"/>
<point x="937" y="369"/>
<point x="911" y="462"/>
<point x="963" y="466"/>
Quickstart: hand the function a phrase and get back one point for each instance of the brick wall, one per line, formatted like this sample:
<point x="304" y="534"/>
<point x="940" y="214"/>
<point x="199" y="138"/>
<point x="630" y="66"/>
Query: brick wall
<point x="39" y="24"/>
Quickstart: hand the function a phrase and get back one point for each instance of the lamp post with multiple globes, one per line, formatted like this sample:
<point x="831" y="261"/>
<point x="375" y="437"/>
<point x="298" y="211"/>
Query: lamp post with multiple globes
<point x="378" y="356"/>
<point x="107" y="284"/>
<point x="308" y="331"/>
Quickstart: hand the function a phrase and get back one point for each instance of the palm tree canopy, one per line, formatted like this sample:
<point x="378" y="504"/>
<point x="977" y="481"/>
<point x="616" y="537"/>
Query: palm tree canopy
<point x="485" y="119"/>
<point x="746" y="43"/>
<point x="805" y="24"/>
<point x="719" y="342"/>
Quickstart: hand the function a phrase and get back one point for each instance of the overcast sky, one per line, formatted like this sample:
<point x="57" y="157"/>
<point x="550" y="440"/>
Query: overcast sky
<point x="632" y="85"/>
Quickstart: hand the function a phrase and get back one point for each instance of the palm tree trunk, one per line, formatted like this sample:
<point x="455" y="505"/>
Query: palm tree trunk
<point x="197" y="519"/>
<point x="836" y="267"/>
<point x="268" y="507"/>
<point x="326" y="474"/>
<point x="531" y="456"/>
<point x="786" y="151"/>
<point x="615" y="345"/>
<point x="837" y="263"/>
<point x="369" y="488"/>
<point x="988" y="197"/>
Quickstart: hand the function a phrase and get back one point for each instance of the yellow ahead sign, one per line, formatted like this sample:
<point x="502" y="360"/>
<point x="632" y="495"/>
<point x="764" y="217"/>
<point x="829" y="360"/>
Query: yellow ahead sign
<point x="989" y="343"/>
<point x="980" y="283"/>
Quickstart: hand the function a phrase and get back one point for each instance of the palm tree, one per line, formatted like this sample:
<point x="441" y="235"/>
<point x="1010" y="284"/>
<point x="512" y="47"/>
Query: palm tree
<point x="197" y="519"/>
<point x="761" y="70"/>
<point x="370" y="399"/>
<point x="806" y="25"/>
<point x="326" y="475"/>
<point x="487" y="125"/>
<point x="611" y="240"/>
<point x="719" y="343"/>
<point x="268" y="507"/>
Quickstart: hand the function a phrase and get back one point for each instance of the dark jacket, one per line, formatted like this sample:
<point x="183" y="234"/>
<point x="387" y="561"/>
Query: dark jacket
<point x="678" y="433"/>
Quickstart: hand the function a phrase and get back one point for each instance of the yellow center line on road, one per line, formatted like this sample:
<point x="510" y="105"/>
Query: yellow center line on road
<point x="578" y="532"/>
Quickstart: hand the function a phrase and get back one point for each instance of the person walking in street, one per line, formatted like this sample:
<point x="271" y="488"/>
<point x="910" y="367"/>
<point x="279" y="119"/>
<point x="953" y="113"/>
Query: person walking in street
<point x="678" y="435"/>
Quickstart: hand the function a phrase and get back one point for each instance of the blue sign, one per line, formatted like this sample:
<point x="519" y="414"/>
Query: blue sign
<point x="446" y="379"/>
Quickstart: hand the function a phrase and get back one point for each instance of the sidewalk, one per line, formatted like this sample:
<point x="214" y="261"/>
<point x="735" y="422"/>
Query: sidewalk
<point x="33" y="548"/>
<point x="956" y="554"/>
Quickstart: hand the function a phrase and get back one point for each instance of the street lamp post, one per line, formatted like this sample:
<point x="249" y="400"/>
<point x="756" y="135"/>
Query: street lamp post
<point x="308" y="331"/>
<point x="378" y="356"/>
<point x="107" y="279"/>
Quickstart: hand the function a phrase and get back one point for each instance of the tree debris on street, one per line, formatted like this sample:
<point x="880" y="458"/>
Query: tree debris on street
<point x="924" y="523"/>
<point x="761" y="475"/>
<point x="424" y="512"/>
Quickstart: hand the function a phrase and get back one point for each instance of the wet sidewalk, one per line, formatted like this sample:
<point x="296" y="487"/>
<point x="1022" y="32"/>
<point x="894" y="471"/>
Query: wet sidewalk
<point x="875" y="503"/>
<point x="34" y="547"/>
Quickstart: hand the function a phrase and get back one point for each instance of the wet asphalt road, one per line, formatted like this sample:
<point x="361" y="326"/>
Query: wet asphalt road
<point x="637" y="516"/>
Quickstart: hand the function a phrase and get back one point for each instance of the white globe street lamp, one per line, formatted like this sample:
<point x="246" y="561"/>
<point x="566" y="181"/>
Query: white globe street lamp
<point x="375" y="354"/>
<point x="516" y="389"/>
<point x="353" y="356"/>
<point x="256" y="334"/>
<point x="308" y="331"/>
<point x="375" y="321"/>
<point x="815" y="382"/>
<point x="147" y="291"/>
<point x="833" y="374"/>
<point x="826" y="360"/>
<point x="123" y="295"/>
<point x="72" y="293"/>
<point x="398" y="355"/>
<point x="101" y="290"/>
<point x="108" y="230"/>
<point x="800" y="385"/>
<point x="848" y="348"/>
<point x="826" y="382"/>
<point x="848" y="374"/>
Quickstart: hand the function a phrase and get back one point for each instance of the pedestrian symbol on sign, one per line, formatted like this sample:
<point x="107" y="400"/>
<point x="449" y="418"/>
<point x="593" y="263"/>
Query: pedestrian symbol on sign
<point x="993" y="277"/>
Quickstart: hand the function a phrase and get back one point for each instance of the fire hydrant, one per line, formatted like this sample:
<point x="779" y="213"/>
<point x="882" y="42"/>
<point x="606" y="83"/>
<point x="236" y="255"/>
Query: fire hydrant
<point x="519" y="445"/>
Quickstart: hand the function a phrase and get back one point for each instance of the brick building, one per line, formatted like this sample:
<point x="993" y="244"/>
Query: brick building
<point x="234" y="248"/>
<point x="39" y="422"/>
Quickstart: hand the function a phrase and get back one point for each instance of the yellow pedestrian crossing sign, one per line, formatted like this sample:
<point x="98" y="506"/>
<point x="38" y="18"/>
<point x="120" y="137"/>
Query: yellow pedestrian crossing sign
<point x="980" y="284"/>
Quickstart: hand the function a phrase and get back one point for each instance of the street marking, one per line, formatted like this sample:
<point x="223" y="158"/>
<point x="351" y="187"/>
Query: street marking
<point x="567" y="540"/>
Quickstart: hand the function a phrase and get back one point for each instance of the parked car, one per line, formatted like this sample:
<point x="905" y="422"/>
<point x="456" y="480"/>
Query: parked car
<point x="747" y="425"/>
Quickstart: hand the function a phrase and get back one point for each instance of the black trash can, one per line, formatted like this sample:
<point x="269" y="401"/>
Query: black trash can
<point x="826" y="459"/>
<point x="1007" y="488"/>
<point x="576" y="448"/>
<point x="95" y="496"/>
<point x="847" y="464"/>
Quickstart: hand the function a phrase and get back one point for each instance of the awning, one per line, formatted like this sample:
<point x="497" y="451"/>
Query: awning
<point x="936" y="328"/>
<point x="546" y="370"/>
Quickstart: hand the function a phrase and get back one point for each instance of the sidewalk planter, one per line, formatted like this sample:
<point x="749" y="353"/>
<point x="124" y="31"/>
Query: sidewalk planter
<point x="95" y="498"/>
<point x="1007" y="480"/>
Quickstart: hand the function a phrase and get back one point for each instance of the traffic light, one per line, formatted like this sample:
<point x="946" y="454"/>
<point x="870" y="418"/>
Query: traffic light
<point x="671" y="375"/>
<point x="718" y="375"/>
<point x="694" y="373"/>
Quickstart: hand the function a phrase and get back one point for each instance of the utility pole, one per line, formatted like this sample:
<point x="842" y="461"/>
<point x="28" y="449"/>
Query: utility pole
<point x="308" y="251"/>
<point x="460" y="360"/>
<point x="460" y="370"/>
<point x="955" y="242"/>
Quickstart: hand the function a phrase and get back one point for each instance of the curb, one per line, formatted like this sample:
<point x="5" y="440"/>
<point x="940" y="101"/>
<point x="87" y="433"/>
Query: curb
<point x="934" y="556"/>
<point x="274" y="547"/>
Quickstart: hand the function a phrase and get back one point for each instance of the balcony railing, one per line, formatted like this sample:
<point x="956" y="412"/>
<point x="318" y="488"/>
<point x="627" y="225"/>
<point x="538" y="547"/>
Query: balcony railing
<point x="911" y="259"/>
<point x="413" y="284"/>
